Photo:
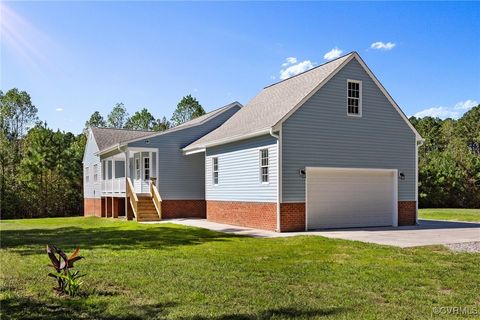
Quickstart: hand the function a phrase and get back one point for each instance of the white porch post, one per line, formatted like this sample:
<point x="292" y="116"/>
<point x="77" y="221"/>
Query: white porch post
<point x="127" y="175"/>
<point x="113" y="175"/>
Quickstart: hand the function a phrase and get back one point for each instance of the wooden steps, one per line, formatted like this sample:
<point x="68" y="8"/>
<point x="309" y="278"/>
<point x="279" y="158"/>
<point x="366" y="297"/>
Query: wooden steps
<point x="146" y="210"/>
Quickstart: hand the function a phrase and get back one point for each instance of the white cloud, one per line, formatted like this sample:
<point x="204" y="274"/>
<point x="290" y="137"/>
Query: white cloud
<point x="59" y="109"/>
<point x="465" y="105"/>
<point x="379" y="45"/>
<point x="289" y="61"/>
<point x="437" y="112"/>
<point x="273" y="77"/>
<point x="295" y="69"/>
<point x="333" y="54"/>
<point x="454" y="112"/>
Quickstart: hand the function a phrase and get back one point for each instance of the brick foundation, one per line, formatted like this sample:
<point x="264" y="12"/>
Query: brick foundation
<point x="261" y="215"/>
<point x="292" y="217"/>
<point x="407" y="211"/>
<point x="92" y="207"/>
<point x="183" y="209"/>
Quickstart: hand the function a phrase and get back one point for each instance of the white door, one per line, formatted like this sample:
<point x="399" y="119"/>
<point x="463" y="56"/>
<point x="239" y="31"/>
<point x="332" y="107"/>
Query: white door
<point x="137" y="172"/>
<point x="146" y="170"/>
<point x="349" y="197"/>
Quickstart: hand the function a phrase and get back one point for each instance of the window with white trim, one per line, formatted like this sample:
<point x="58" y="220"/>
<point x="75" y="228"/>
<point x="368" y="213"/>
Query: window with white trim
<point x="137" y="168"/>
<point x="354" y="97"/>
<point x="146" y="166"/>
<point x="264" y="165"/>
<point x="215" y="170"/>
<point x="95" y="173"/>
<point x="87" y="177"/>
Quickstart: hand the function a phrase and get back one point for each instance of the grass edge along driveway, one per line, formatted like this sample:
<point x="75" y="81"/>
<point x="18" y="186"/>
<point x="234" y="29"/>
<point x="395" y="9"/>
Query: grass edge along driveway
<point x="467" y="215"/>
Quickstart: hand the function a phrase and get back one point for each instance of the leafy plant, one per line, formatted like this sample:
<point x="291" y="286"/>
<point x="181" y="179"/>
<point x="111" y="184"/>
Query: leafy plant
<point x="67" y="281"/>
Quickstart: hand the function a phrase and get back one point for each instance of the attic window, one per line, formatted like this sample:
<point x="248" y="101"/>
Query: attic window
<point x="354" y="98"/>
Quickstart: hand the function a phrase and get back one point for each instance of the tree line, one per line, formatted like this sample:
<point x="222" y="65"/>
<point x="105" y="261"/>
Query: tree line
<point x="41" y="169"/>
<point x="188" y="108"/>
<point x="449" y="161"/>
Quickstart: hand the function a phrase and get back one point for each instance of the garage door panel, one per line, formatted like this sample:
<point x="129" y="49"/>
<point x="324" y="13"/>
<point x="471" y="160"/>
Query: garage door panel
<point x="352" y="198"/>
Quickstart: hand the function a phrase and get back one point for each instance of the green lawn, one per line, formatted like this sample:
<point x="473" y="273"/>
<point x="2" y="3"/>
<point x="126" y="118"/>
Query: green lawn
<point x="137" y="271"/>
<point x="470" y="215"/>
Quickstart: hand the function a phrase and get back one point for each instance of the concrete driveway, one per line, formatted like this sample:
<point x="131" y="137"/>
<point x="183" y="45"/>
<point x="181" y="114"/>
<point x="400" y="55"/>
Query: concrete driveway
<point x="427" y="232"/>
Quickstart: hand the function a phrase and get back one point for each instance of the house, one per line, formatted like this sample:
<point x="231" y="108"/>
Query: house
<point x="144" y="174"/>
<point x="328" y="148"/>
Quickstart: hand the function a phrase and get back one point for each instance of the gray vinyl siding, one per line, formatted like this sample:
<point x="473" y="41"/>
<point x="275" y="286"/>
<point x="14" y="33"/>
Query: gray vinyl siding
<point x="239" y="171"/>
<point x="91" y="189"/>
<point x="320" y="134"/>
<point x="181" y="176"/>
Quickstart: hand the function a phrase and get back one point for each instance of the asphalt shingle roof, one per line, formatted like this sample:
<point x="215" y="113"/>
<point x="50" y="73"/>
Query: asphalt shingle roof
<point x="271" y="104"/>
<point x="106" y="137"/>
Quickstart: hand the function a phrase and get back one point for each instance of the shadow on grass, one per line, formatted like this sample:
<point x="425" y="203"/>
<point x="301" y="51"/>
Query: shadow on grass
<point x="280" y="313"/>
<point x="31" y="309"/>
<point x="33" y="241"/>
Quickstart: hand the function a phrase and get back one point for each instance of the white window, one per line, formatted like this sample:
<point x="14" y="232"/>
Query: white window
<point x="146" y="163"/>
<point x="95" y="173"/>
<point x="354" y="98"/>
<point x="215" y="170"/>
<point x="87" y="178"/>
<point x="137" y="168"/>
<point x="264" y="165"/>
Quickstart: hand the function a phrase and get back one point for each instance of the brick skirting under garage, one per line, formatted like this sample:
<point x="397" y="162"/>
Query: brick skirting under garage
<point x="92" y="207"/>
<point x="407" y="213"/>
<point x="183" y="209"/>
<point x="292" y="217"/>
<point x="260" y="215"/>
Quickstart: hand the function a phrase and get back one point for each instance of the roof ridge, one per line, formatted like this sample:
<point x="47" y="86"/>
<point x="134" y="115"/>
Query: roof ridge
<point x="231" y="104"/>
<point x="122" y="129"/>
<point x="316" y="67"/>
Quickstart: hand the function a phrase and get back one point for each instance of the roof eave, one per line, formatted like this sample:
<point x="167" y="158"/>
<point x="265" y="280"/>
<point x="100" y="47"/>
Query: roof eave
<point x="114" y="147"/>
<point x="233" y="104"/>
<point x="214" y="143"/>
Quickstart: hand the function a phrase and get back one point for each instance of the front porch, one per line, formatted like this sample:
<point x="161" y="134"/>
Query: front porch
<point x="128" y="185"/>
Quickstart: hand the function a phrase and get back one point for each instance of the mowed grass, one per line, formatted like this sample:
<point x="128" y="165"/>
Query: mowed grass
<point x="469" y="215"/>
<point x="166" y="271"/>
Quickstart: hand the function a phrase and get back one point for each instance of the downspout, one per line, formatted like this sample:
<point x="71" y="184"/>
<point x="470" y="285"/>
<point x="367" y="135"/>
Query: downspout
<point x="277" y="136"/>
<point x="126" y="168"/>
<point x="418" y="144"/>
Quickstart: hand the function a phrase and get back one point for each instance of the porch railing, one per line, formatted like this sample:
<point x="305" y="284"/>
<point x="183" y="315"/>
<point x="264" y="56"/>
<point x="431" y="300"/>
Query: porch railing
<point x="132" y="196"/>
<point x="116" y="185"/>
<point x="157" y="200"/>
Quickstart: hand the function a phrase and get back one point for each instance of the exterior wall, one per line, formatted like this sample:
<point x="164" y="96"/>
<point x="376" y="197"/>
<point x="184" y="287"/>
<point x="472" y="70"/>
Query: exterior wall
<point x="407" y="213"/>
<point x="239" y="171"/>
<point x="92" y="207"/>
<point x="292" y="217"/>
<point x="179" y="176"/>
<point x="259" y="215"/>
<point x="91" y="190"/>
<point x="320" y="134"/>
<point x="183" y="209"/>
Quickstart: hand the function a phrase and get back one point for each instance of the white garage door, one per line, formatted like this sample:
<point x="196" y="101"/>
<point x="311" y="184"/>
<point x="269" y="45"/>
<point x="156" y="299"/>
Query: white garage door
<point x="344" y="197"/>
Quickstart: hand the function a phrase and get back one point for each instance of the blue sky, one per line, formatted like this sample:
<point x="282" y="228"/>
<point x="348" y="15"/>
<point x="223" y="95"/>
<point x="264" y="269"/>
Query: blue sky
<point x="75" y="58"/>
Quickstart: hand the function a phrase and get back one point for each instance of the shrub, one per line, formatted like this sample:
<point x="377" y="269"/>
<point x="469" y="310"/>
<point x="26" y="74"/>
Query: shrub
<point x="67" y="281"/>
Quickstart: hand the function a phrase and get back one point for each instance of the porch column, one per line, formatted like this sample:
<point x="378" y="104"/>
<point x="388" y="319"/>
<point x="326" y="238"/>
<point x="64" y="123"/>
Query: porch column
<point x="113" y="176"/>
<point x="127" y="175"/>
